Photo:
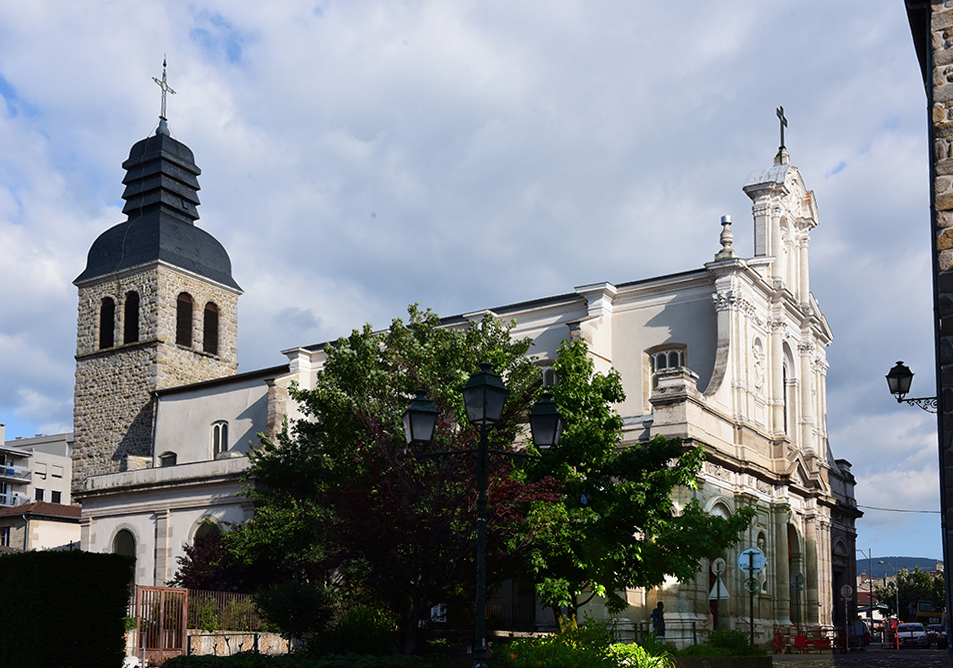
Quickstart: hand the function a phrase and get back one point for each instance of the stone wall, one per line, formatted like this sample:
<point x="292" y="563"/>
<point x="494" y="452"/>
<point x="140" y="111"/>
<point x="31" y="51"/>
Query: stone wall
<point x="113" y="412"/>
<point x="938" y="77"/>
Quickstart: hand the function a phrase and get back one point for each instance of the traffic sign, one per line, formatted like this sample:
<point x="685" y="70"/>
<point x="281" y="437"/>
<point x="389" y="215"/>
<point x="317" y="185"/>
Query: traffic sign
<point x="751" y="561"/>
<point x="718" y="566"/>
<point x="752" y="586"/>
<point x="718" y="590"/>
<point x="798" y="581"/>
<point x="846" y="591"/>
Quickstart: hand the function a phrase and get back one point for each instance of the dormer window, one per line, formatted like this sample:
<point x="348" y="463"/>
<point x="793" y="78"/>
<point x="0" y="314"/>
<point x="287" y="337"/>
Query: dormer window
<point x="667" y="358"/>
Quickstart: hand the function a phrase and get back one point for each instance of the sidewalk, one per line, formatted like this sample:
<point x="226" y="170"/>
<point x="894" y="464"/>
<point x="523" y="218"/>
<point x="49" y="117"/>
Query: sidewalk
<point x="869" y="658"/>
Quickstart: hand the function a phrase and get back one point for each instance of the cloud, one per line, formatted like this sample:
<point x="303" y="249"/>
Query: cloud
<point x="360" y="156"/>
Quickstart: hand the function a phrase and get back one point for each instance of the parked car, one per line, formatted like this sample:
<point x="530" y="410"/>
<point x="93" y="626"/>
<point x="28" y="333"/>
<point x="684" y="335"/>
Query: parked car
<point x="913" y="635"/>
<point x="933" y="632"/>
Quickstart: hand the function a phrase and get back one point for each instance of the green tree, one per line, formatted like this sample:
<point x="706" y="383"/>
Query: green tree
<point x="914" y="586"/>
<point x="617" y="526"/>
<point x="341" y="491"/>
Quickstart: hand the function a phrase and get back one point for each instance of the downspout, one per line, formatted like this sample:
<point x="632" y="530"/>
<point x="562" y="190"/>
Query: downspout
<point x="155" y="425"/>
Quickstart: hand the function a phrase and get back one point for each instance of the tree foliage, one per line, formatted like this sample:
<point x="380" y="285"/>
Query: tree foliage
<point x="209" y="564"/>
<point x="617" y="526"/>
<point x="340" y="494"/>
<point x="914" y="586"/>
<point x="347" y="495"/>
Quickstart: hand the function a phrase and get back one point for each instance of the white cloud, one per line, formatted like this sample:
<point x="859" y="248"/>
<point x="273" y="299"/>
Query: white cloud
<point x="360" y="156"/>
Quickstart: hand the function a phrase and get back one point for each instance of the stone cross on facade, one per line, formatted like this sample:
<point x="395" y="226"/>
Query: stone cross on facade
<point x="167" y="89"/>
<point x="780" y="112"/>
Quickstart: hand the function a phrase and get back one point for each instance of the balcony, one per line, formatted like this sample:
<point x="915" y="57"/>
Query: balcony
<point x="11" y="500"/>
<point x="10" y="473"/>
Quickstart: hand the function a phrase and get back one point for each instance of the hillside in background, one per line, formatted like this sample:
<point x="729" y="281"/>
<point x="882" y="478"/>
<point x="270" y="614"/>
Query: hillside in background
<point x="910" y="563"/>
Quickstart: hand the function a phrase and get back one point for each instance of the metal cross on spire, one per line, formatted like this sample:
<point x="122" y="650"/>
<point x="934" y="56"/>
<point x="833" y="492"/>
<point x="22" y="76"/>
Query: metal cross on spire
<point x="167" y="89"/>
<point x="784" y="121"/>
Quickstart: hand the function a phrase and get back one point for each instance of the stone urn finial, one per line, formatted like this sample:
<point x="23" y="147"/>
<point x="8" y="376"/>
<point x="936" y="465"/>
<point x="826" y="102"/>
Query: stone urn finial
<point x="727" y="238"/>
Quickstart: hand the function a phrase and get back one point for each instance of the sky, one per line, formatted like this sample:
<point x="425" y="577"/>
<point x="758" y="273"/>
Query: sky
<point x="364" y="155"/>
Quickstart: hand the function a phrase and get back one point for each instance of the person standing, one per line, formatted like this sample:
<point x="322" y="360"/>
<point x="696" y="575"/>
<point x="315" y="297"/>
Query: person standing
<point x="859" y="632"/>
<point x="658" y="620"/>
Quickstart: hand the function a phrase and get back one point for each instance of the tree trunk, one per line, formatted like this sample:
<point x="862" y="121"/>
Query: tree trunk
<point x="410" y="635"/>
<point x="565" y="621"/>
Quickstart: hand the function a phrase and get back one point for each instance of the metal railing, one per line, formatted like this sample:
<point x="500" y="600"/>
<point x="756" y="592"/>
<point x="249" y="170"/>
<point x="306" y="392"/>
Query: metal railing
<point x="11" y="500"/>
<point x="16" y="473"/>
<point x="222" y="611"/>
<point x="510" y="616"/>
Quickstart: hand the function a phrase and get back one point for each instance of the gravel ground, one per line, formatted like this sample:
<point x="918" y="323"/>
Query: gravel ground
<point x="869" y="658"/>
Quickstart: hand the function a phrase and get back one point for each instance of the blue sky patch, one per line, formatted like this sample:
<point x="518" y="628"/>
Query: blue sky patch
<point x="15" y="105"/>
<point x="219" y="38"/>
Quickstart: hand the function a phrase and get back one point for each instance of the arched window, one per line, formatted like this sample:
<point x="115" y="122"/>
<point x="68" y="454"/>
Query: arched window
<point x="107" y="319"/>
<point x="130" y="321"/>
<point x="784" y="391"/>
<point x="210" y="329"/>
<point x="124" y="543"/>
<point x="219" y="438"/>
<point x="549" y="376"/>
<point x="168" y="459"/>
<point x="207" y="528"/>
<point x="183" y="320"/>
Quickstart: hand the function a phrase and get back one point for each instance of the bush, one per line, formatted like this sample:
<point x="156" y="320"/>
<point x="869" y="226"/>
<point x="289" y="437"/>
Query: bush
<point x="297" y="610"/>
<point x="583" y="647"/>
<point x="639" y="657"/>
<point x="80" y="599"/>
<point x="361" y="630"/>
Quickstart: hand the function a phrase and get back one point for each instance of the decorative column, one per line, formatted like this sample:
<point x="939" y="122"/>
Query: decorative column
<point x="163" y="519"/>
<point x="806" y="350"/>
<point x="777" y="376"/>
<point x="782" y="586"/>
<point x="777" y="248"/>
<point x="760" y="211"/>
<point x="804" y="298"/>
<point x="811" y="574"/>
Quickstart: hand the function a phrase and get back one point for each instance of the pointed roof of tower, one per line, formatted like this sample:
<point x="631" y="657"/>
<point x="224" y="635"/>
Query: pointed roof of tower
<point x="161" y="208"/>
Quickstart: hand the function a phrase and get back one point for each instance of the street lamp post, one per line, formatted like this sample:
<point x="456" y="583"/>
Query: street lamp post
<point x="899" y="380"/>
<point x="484" y="396"/>
<point x="895" y="583"/>
<point x="870" y="583"/>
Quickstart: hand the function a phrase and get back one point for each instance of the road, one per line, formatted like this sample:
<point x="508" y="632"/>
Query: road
<point x="869" y="658"/>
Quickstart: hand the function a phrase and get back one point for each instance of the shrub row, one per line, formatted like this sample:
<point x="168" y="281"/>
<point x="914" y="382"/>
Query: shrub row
<point x="63" y="609"/>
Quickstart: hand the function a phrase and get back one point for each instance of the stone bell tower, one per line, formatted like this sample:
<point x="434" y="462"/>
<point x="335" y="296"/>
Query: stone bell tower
<point x="158" y="307"/>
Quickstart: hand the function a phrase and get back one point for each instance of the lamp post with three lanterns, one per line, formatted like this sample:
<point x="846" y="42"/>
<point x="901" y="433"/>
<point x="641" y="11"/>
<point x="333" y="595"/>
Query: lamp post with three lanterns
<point x="484" y="396"/>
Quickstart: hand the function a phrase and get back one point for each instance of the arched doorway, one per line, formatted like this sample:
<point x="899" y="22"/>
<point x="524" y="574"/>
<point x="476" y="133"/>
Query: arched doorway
<point x="124" y="543"/>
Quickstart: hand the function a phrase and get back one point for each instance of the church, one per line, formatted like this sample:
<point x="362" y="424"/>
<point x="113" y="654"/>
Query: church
<point x="730" y="356"/>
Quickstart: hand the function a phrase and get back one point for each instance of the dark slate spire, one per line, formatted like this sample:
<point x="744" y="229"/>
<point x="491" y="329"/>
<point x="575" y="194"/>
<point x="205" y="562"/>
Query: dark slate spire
<point x="161" y="208"/>
<point x="161" y="176"/>
<point x="161" y="205"/>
